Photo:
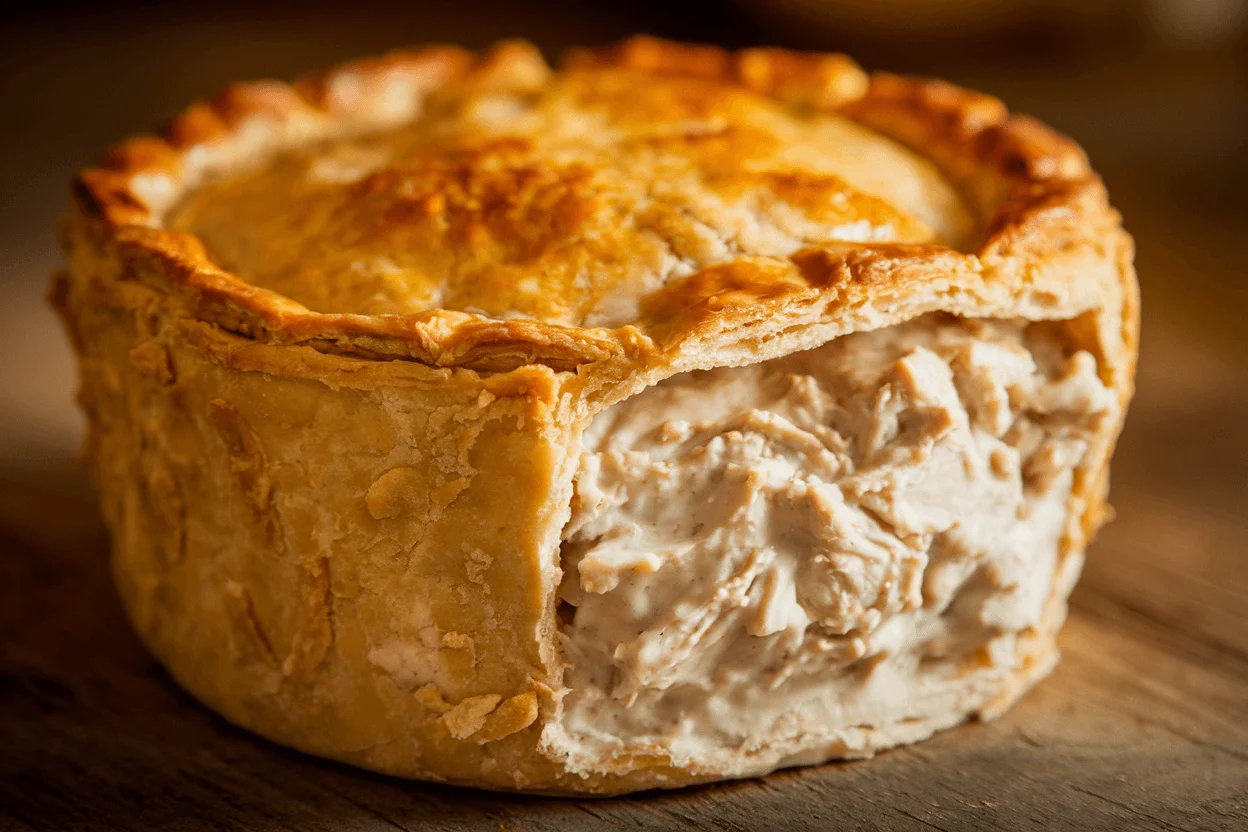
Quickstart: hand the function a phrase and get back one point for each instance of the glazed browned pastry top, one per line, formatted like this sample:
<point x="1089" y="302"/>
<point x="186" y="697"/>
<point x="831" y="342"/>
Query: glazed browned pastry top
<point x="488" y="211"/>
<point x="568" y="199"/>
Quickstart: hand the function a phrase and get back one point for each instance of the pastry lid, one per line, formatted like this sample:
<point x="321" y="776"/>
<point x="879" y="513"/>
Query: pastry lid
<point x="646" y="204"/>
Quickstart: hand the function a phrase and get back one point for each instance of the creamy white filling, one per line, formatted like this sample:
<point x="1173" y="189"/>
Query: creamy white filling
<point x="775" y="554"/>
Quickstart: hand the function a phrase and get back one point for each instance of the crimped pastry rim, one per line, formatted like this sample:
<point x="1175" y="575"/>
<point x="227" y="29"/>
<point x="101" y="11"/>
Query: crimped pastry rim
<point x="1033" y="191"/>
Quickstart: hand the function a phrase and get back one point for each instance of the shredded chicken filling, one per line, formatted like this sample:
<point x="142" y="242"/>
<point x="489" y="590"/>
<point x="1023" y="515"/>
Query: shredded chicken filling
<point x="817" y="541"/>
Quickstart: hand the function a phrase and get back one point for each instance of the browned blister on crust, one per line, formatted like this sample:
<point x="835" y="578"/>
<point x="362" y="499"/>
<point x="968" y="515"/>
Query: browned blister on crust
<point x="338" y="340"/>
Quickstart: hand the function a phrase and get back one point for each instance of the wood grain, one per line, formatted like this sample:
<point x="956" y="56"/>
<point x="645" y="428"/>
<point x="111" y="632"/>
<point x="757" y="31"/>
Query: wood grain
<point x="1144" y="725"/>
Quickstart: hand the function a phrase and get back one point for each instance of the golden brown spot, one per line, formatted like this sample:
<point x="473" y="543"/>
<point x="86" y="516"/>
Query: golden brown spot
<point x="468" y="717"/>
<point x="830" y="200"/>
<point x="514" y="714"/>
<point x="395" y="492"/>
<point x="720" y="287"/>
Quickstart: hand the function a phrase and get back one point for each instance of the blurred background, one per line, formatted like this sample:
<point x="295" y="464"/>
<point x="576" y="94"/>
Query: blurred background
<point x="1156" y="90"/>
<point x="1149" y="705"/>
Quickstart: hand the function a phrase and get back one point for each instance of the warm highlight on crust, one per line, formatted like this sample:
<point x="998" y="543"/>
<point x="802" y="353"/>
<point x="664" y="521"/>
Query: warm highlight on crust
<point x="1027" y="185"/>
<point x="240" y="438"/>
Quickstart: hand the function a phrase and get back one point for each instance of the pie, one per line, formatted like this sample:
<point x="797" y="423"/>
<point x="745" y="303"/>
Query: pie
<point x="672" y="416"/>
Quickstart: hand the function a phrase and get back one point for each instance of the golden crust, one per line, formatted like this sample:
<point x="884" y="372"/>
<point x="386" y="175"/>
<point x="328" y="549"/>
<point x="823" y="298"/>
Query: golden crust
<point x="1027" y="187"/>
<point x="359" y="557"/>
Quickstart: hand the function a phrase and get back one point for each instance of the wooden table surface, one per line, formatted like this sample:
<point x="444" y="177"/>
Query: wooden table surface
<point x="1144" y="725"/>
